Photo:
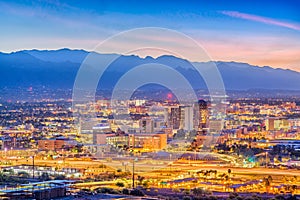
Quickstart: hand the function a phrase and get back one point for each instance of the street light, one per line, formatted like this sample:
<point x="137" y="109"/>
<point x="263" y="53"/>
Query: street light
<point x="170" y="163"/>
<point x="124" y="164"/>
<point x="5" y="150"/>
<point x="266" y="158"/>
<point x="134" y="160"/>
<point x="32" y="167"/>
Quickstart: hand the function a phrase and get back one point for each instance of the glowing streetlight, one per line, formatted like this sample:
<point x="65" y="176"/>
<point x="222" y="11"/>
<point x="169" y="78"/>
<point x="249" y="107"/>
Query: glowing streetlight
<point x="32" y="166"/>
<point x="5" y="150"/>
<point x="134" y="160"/>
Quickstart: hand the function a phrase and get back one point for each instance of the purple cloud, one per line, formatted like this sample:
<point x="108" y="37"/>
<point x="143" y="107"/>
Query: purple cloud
<point x="262" y="19"/>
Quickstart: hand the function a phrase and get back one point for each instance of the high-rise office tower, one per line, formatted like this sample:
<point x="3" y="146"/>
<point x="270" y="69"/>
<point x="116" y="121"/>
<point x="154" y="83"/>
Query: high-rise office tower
<point x="186" y="118"/>
<point x="203" y="115"/>
<point x="174" y="117"/>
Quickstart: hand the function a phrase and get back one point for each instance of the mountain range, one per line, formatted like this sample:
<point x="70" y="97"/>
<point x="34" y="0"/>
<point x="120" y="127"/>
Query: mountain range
<point x="58" y="69"/>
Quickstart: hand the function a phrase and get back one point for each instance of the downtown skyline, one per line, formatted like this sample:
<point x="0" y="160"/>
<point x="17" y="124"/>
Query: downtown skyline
<point x="150" y="100"/>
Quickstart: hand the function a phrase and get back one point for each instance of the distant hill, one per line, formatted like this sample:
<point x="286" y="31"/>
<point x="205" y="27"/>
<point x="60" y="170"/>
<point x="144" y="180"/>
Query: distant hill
<point x="58" y="69"/>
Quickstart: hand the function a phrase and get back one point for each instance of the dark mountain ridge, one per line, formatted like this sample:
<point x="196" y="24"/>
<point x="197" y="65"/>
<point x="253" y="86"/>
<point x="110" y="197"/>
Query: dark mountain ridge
<point x="58" y="69"/>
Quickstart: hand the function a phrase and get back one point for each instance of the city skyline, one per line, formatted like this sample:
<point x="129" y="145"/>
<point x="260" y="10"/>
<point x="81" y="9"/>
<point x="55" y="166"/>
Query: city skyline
<point x="259" y="33"/>
<point x="165" y="100"/>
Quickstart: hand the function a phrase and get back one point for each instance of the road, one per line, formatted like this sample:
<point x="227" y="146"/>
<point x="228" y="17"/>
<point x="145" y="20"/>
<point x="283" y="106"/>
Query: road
<point x="146" y="166"/>
<point x="157" y="171"/>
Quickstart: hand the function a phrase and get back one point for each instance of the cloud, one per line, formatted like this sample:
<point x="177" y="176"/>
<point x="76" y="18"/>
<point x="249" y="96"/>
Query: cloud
<point x="265" y="20"/>
<point x="52" y="14"/>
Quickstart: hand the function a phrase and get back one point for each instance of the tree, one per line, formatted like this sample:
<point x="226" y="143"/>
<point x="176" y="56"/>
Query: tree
<point x="77" y="148"/>
<point x="140" y="179"/>
<point x="44" y="176"/>
<point x="2" y="177"/>
<point x="137" y="192"/>
<point x="176" y="190"/>
<point x="119" y="170"/>
<point x="233" y="195"/>
<point x="267" y="184"/>
<point x="23" y="174"/>
<point x="9" y="171"/>
<point x="145" y="184"/>
<point x="294" y="187"/>
<point x="215" y="173"/>
<point x="294" y="179"/>
<point x="229" y="171"/>
<point x="279" y="197"/>
<point x="205" y="174"/>
<point x="120" y="184"/>
<point x="180" y="134"/>
<point x="125" y="191"/>
<point x="198" y="191"/>
<point x="187" y="198"/>
<point x="270" y="179"/>
<point x="60" y="177"/>
<point x="212" y="197"/>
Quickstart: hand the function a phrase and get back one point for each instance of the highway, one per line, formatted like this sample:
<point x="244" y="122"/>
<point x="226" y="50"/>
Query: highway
<point x="146" y="166"/>
<point x="157" y="171"/>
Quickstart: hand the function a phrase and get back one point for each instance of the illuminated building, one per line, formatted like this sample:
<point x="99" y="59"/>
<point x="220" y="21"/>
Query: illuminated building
<point x="168" y="131"/>
<point x="100" y="132"/>
<point x="275" y="124"/>
<point x="154" y="141"/>
<point x="270" y="124"/>
<point x="142" y="141"/>
<point x="55" y="144"/>
<point x="93" y="134"/>
<point x="15" y="138"/>
<point x="215" y="125"/>
<point x="174" y="117"/>
<point x="186" y="118"/>
<point x="118" y="140"/>
<point x="146" y="125"/>
<point x="203" y="115"/>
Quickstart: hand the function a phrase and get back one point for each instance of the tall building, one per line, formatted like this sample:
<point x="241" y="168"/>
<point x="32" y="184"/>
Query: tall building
<point x="146" y="125"/>
<point x="186" y="118"/>
<point x="270" y="124"/>
<point x="203" y="115"/>
<point x="174" y="118"/>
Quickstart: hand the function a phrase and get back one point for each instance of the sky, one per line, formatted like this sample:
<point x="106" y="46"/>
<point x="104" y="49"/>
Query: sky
<point x="264" y="33"/>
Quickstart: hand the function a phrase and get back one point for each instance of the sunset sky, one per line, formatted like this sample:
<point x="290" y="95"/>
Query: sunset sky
<point x="257" y="32"/>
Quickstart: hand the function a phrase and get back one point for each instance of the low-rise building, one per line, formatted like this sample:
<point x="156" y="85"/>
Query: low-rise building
<point x="143" y="141"/>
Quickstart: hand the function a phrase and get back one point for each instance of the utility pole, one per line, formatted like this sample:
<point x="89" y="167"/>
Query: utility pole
<point x="134" y="160"/>
<point x="33" y="167"/>
<point x="133" y="173"/>
<point x="266" y="158"/>
<point x="133" y="145"/>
